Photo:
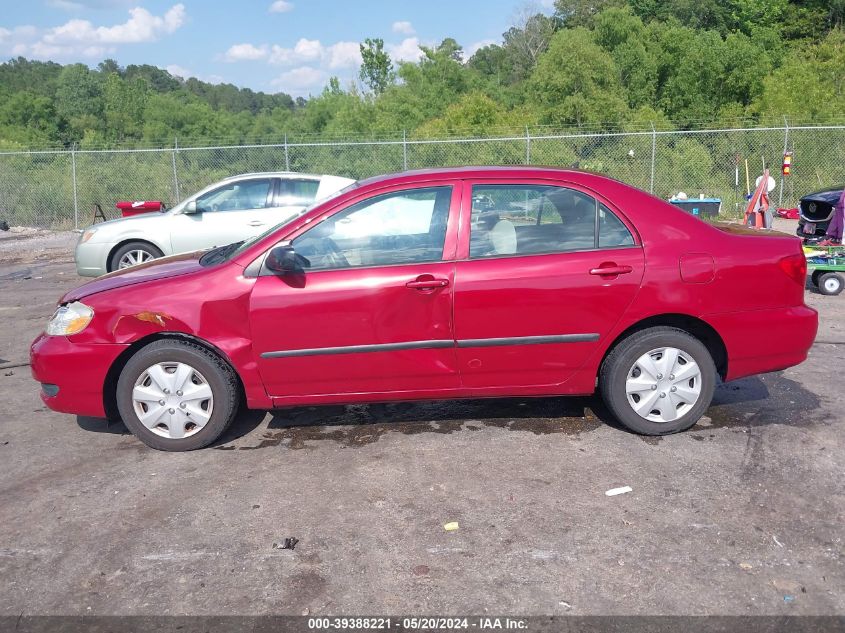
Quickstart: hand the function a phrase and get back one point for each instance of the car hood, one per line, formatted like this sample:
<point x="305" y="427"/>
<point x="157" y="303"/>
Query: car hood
<point x="830" y="196"/>
<point x="163" y="268"/>
<point x="134" y="221"/>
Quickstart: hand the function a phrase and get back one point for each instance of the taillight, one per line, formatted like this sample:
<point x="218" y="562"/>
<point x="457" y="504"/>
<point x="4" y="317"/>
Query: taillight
<point x="795" y="267"/>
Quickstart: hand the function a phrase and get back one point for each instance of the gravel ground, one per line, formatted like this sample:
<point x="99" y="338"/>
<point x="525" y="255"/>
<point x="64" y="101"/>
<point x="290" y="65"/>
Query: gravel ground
<point x="741" y="515"/>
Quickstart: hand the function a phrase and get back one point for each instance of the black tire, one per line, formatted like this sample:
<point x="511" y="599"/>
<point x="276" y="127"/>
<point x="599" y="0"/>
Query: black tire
<point x="621" y="360"/>
<point x="114" y="260"/>
<point x="815" y="277"/>
<point x="831" y="284"/>
<point x="219" y="376"/>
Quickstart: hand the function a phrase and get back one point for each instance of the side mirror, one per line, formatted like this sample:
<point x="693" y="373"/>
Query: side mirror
<point x="283" y="260"/>
<point x="191" y="208"/>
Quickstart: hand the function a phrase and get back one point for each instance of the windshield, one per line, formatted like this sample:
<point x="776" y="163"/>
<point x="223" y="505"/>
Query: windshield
<point x="242" y="246"/>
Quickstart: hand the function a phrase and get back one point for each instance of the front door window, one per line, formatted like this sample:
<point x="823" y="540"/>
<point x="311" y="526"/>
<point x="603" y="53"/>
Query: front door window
<point x="236" y="196"/>
<point x="401" y="227"/>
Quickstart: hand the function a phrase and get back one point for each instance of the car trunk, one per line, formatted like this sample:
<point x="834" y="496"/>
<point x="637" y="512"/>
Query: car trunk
<point x="777" y="274"/>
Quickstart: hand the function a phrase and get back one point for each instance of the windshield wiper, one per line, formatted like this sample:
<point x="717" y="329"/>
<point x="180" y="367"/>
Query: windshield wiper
<point x="219" y="254"/>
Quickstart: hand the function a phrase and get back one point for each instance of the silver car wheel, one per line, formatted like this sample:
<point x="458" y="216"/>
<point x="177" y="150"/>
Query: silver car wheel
<point x="663" y="384"/>
<point x="133" y="258"/>
<point x="172" y="400"/>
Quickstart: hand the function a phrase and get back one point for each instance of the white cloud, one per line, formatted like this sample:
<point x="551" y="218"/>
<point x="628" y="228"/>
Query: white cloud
<point x="300" y="81"/>
<point x="406" y="51"/>
<point x="404" y="27"/>
<point x="18" y="35"/>
<point x="78" y="37"/>
<point x="178" y="71"/>
<point x="344" y="55"/>
<point x="185" y="73"/>
<point x="245" y="52"/>
<point x="308" y="50"/>
<point x="142" y="26"/>
<point x="281" y="6"/>
<point x="305" y="51"/>
<point x="473" y="48"/>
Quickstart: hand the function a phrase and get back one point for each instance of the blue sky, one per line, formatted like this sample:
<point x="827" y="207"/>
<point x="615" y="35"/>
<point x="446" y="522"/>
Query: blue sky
<point x="289" y="46"/>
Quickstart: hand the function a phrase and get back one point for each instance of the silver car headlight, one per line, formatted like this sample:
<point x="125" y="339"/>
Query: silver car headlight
<point x="87" y="235"/>
<point x="70" y="319"/>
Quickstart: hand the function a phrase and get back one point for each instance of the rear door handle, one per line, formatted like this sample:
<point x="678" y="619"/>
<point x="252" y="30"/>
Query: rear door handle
<point x="608" y="270"/>
<point x="255" y="223"/>
<point x="427" y="282"/>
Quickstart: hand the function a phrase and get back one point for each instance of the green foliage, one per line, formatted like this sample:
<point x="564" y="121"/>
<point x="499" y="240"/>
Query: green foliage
<point x="593" y="63"/>
<point x="376" y="68"/>
<point x="576" y="82"/>
<point x="810" y="84"/>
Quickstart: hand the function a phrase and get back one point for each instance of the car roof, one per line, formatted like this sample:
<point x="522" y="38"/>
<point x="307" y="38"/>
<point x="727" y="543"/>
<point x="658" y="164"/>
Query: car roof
<point x="272" y="174"/>
<point x="491" y="171"/>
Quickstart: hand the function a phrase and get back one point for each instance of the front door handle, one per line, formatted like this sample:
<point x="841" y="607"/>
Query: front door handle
<point x="427" y="282"/>
<point x="610" y="269"/>
<point x="255" y="223"/>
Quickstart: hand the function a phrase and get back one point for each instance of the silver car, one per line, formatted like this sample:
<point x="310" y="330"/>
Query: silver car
<point x="228" y="211"/>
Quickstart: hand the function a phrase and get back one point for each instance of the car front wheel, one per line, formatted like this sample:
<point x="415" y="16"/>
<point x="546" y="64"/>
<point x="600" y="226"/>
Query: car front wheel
<point x="658" y="381"/>
<point x="132" y="254"/>
<point x="177" y="395"/>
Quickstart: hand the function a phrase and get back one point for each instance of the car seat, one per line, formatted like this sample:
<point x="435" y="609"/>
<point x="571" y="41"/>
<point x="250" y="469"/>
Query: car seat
<point x="503" y="237"/>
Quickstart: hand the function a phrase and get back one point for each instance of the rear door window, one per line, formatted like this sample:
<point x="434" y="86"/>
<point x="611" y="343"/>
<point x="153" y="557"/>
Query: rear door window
<point x="536" y="219"/>
<point x="296" y="192"/>
<point x="530" y="219"/>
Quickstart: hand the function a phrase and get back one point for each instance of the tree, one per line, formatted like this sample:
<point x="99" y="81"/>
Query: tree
<point x="528" y="39"/>
<point x="810" y="85"/>
<point x="124" y="103"/>
<point x="696" y="14"/>
<point x="624" y="35"/>
<point x="376" y="68"/>
<point x="750" y="15"/>
<point x="494" y="63"/>
<point x="574" y="13"/>
<point x="437" y="80"/>
<point x="449" y="47"/>
<point x="79" y="100"/>
<point x="109" y="66"/>
<point x="578" y="82"/>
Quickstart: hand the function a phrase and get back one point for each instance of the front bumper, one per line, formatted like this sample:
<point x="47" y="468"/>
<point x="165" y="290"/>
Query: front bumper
<point x="761" y="341"/>
<point x="72" y="374"/>
<point x="91" y="258"/>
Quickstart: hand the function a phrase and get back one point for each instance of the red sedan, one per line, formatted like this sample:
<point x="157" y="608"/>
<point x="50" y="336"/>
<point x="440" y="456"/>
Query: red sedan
<point x="439" y="284"/>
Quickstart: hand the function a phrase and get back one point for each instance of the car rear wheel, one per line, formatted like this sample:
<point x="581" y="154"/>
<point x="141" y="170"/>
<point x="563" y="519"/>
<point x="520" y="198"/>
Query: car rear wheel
<point x="132" y="254"/>
<point x="658" y="381"/>
<point x="177" y="395"/>
<point x="831" y="284"/>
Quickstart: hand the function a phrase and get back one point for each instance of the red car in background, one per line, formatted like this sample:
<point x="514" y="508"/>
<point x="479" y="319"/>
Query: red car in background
<point x="451" y="283"/>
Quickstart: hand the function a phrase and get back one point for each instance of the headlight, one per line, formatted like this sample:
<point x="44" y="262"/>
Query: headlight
<point x="87" y="235"/>
<point x="70" y="319"/>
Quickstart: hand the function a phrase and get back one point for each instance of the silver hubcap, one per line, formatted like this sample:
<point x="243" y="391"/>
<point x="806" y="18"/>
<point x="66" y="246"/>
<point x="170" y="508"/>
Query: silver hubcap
<point x="172" y="400"/>
<point x="663" y="385"/>
<point x="133" y="258"/>
<point x="831" y="285"/>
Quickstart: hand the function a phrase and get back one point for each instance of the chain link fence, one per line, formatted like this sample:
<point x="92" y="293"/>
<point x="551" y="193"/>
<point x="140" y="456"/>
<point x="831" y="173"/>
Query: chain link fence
<point x="58" y="188"/>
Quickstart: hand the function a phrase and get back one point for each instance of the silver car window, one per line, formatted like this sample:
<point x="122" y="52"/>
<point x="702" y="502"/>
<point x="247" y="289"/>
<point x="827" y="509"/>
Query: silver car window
<point x="236" y="196"/>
